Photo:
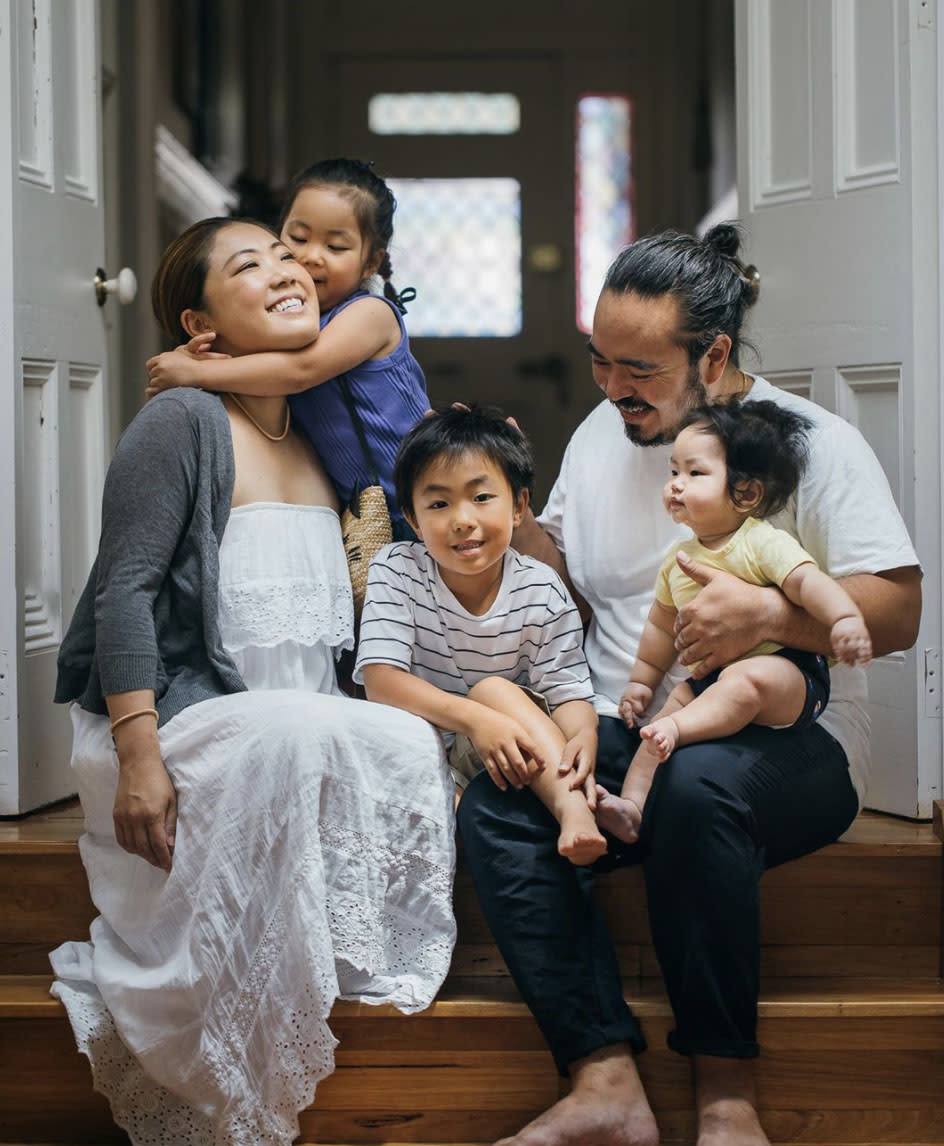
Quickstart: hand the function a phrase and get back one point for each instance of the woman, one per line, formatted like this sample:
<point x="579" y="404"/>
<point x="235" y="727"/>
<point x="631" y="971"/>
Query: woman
<point x="298" y="843"/>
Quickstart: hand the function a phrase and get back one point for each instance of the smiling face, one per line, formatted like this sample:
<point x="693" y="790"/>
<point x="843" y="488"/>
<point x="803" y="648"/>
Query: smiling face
<point x="464" y="511"/>
<point x="256" y="297"/>
<point x="639" y="365"/>
<point x="323" y="232"/>
<point x="696" y="493"/>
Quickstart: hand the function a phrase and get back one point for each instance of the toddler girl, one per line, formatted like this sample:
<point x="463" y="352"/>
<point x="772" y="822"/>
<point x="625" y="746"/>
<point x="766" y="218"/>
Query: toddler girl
<point x="338" y="221"/>
<point x="732" y="465"/>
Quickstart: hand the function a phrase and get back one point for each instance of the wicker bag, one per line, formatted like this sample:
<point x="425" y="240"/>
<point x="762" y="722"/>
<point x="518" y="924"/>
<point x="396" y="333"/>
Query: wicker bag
<point x="365" y="523"/>
<point x="365" y="529"/>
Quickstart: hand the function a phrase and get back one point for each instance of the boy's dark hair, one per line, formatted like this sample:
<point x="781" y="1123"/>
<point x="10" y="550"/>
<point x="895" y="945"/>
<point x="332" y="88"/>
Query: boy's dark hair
<point x="762" y="441"/>
<point x="373" y="204"/>
<point x="452" y="431"/>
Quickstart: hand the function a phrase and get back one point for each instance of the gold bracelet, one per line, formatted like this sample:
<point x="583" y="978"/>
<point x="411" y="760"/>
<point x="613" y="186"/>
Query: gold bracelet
<point x="132" y="715"/>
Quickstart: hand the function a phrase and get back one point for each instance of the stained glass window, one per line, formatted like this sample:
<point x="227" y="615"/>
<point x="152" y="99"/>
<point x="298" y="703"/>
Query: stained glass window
<point x="604" y="221"/>
<point x="458" y="241"/>
<point x="443" y="113"/>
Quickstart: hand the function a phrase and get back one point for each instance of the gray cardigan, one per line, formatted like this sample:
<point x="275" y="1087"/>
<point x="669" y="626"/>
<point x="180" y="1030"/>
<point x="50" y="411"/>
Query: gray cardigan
<point x="148" y="616"/>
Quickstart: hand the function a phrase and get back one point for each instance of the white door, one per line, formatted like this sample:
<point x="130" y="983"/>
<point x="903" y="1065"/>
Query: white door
<point x="52" y="372"/>
<point x="838" y="162"/>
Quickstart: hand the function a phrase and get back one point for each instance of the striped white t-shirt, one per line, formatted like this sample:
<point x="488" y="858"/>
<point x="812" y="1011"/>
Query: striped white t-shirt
<point x="531" y="635"/>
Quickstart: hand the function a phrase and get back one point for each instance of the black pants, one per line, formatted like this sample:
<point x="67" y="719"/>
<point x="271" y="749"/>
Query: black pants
<point x="718" y="815"/>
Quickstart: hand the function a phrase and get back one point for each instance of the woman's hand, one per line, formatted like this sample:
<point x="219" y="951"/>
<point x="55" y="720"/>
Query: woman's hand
<point x="726" y="619"/>
<point x="145" y="811"/>
<point x="505" y="749"/>
<point x="180" y="367"/>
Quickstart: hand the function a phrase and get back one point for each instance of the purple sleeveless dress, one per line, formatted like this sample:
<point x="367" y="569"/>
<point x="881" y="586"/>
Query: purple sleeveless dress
<point x="390" y="398"/>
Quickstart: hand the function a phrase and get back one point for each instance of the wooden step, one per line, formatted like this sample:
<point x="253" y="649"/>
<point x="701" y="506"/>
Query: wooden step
<point x="869" y="905"/>
<point x="851" y="1018"/>
<point x="843" y="1063"/>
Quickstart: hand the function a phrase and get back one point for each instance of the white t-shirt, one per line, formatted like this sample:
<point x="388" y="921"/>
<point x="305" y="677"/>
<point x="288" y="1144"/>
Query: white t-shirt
<point x="605" y="514"/>
<point x="531" y="635"/>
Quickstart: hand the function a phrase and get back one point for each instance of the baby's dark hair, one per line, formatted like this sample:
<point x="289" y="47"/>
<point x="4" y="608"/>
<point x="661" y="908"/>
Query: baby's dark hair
<point x="373" y="204"/>
<point x="762" y="441"/>
<point x="452" y="431"/>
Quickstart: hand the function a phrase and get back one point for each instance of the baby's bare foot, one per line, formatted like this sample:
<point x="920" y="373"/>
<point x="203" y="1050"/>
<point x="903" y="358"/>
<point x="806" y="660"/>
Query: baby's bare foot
<point x="661" y="737"/>
<point x="580" y="840"/>
<point x="619" y="816"/>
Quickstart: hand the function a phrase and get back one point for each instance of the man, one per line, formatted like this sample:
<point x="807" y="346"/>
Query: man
<point x="666" y="337"/>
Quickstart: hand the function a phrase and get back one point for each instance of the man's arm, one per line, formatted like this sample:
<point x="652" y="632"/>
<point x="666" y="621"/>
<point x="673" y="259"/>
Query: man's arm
<point x="728" y="617"/>
<point x="529" y="538"/>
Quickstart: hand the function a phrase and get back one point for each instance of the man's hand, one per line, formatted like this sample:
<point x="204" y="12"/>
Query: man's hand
<point x="726" y="620"/>
<point x="634" y="702"/>
<point x="176" y="367"/>
<point x="505" y="749"/>
<point x="145" y="811"/>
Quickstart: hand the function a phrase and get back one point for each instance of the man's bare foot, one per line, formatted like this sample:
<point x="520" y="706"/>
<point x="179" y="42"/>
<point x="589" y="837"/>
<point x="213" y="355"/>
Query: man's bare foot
<point x="606" y="1107"/>
<point x="580" y="840"/>
<point x="661" y="737"/>
<point x="726" y="1103"/>
<point x="620" y="817"/>
<point x="732" y="1122"/>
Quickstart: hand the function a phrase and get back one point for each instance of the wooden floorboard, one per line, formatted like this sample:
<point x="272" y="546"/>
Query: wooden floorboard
<point x="27" y="996"/>
<point x="872" y="833"/>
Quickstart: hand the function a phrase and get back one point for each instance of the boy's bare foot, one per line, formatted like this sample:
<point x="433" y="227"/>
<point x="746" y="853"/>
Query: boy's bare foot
<point x="661" y="737"/>
<point x="606" y="1107"/>
<point x="580" y="840"/>
<point x="620" y="817"/>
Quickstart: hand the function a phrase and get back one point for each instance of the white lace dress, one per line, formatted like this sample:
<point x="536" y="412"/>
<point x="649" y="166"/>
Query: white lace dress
<point x="314" y="859"/>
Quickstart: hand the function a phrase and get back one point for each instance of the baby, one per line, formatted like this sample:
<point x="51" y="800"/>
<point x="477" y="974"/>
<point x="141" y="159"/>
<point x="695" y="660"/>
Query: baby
<point x="732" y="466"/>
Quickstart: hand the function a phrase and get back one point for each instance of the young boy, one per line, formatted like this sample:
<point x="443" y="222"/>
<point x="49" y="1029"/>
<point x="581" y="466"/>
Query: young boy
<point x="482" y="642"/>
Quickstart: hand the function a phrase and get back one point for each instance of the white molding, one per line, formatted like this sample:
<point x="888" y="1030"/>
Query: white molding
<point x="184" y="184"/>
<point x="81" y="137"/>
<point x="765" y="190"/>
<point x="34" y="140"/>
<point x="39" y="535"/>
<point x="799" y="382"/>
<point x="850" y="174"/>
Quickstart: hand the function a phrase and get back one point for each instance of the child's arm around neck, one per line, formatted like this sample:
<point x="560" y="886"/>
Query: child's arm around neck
<point x="366" y="329"/>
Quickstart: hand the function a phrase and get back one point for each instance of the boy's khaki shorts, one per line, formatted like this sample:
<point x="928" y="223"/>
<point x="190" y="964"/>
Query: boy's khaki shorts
<point x="465" y="762"/>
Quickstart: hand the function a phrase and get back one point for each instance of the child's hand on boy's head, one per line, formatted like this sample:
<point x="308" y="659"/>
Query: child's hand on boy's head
<point x="180" y="367"/>
<point x="505" y="749"/>
<point x="850" y="641"/>
<point x="634" y="702"/>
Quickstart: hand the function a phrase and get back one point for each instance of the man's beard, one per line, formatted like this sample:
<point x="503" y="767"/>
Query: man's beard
<point x="693" y="395"/>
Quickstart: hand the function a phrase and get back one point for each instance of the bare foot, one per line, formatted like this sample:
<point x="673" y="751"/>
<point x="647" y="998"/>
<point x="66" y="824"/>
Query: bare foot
<point x="732" y="1122"/>
<point x="661" y="737"/>
<point x="606" y="1107"/>
<point x="620" y="817"/>
<point x="726" y="1103"/>
<point x="580" y="840"/>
